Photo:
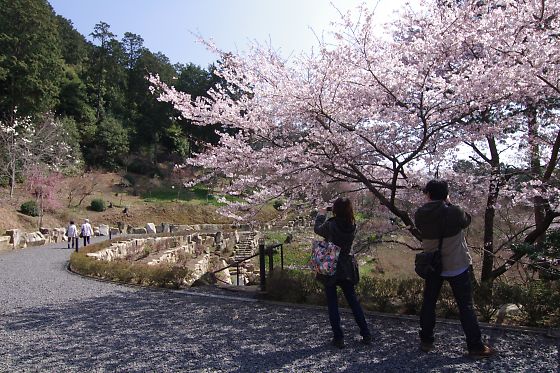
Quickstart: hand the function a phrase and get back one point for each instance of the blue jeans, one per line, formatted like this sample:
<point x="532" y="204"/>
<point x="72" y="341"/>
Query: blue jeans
<point x="461" y="286"/>
<point x="334" y="316"/>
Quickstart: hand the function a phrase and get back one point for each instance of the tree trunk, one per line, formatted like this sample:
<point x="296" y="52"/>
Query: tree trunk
<point x="40" y="211"/>
<point x="535" y="164"/>
<point x="490" y="214"/>
<point x="13" y="162"/>
<point x="12" y="179"/>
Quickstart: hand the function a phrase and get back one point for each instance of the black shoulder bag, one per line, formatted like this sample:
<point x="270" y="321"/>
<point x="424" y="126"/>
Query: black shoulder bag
<point x="427" y="264"/>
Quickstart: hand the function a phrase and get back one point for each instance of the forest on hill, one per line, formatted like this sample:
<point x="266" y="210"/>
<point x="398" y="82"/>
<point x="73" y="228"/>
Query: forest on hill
<point x="72" y="104"/>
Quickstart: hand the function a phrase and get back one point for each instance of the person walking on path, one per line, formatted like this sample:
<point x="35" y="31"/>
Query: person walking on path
<point x="439" y="219"/>
<point x="340" y="230"/>
<point x="86" y="231"/>
<point x="72" y="234"/>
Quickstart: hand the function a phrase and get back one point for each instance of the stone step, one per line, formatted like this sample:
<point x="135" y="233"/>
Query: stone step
<point x="243" y="249"/>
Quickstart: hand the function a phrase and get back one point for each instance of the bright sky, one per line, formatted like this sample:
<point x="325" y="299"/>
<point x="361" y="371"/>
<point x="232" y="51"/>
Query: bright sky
<point x="168" y="25"/>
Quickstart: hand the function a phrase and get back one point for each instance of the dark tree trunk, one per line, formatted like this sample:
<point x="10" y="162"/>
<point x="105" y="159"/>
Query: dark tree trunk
<point x="490" y="213"/>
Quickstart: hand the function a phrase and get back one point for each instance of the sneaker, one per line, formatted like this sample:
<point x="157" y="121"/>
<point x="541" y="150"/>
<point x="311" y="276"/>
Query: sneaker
<point x="338" y="343"/>
<point x="485" y="352"/>
<point x="366" y="340"/>
<point x="426" y="346"/>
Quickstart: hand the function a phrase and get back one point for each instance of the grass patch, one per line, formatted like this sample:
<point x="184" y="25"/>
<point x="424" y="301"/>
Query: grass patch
<point x="294" y="256"/>
<point x="198" y="193"/>
<point x="171" y="193"/>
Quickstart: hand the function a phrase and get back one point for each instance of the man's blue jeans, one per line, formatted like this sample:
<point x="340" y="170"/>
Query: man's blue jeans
<point x="334" y="316"/>
<point x="461" y="286"/>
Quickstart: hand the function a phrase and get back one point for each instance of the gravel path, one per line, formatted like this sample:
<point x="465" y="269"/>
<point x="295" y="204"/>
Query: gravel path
<point x="54" y="321"/>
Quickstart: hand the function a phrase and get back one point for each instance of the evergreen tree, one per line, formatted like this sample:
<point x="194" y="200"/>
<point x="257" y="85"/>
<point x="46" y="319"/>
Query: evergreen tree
<point x="101" y="34"/>
<point x="31" y="65"/>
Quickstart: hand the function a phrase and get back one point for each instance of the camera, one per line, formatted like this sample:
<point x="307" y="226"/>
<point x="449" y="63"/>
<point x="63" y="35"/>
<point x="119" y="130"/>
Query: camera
<point x="329" y="208"/>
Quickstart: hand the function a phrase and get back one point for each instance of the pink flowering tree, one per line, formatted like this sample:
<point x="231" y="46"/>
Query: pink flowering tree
<point x="44" y="186"/>
<point x="382" y="115"/>
<point x="513" y="142"/>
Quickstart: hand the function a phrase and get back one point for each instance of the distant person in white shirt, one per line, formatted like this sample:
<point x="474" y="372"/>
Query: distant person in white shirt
<point x="72" y="234"/>
<point x="86" y="231"/>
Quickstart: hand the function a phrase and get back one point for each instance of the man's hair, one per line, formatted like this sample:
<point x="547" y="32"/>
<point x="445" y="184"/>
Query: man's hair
<point x="436" y="189"/>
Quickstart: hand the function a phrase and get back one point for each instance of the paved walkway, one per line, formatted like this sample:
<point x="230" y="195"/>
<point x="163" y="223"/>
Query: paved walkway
<point x="54" y="321"/>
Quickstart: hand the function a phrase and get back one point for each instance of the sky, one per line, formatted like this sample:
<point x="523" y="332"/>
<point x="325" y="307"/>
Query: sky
<point x="170" y="26"/>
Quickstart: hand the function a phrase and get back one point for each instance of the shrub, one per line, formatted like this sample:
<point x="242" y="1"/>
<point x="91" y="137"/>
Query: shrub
<point x="294" y="286"/>
<point x="131" y="179"/>
<point x="277" y="204"/>
<point x="166" y="276"/>
<point x="539" y="302"/>
<point x="144" y="167"/>
<point x="409" y="292"/>
<point x="379" y="294"/>
<point x="98" y="205"/>
<point x="29" y="208"/>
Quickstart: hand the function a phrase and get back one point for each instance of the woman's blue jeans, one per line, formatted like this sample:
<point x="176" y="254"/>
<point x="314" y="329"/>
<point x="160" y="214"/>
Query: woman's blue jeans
<point x="461" y="286"/>
<point x="334" y="315"/>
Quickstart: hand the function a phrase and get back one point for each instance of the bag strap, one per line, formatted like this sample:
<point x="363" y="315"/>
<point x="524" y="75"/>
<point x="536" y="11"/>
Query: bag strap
<point x="443" y="218"/>
<point x="329" y="236"/>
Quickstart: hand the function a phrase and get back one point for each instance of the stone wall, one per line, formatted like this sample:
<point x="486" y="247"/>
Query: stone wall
<point x="18" y="239"/>
<point x="207" y="251"/>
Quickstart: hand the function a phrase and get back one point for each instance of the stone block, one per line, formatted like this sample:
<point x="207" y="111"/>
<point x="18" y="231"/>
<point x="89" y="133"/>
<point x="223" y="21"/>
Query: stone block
<point x="123" y="227"/>
<point x="58" y="235"/>
<point x="151" y="228"/>
<point x="16" y="238"/>
<point x="507" y="311"/>
<point x="34" y="239"/>
<point x="5" y="244"/>
<point x="138" y="230"/>
<point x="218" y="237"/>
<point x="103" y="230"/>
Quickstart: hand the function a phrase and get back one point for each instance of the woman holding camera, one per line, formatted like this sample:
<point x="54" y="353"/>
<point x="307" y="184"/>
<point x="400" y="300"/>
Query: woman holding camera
<point x="340" y="230"/>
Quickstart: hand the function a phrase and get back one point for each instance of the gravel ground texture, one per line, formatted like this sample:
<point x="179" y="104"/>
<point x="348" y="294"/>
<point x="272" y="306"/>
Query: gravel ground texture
<point x="55" y="321"/>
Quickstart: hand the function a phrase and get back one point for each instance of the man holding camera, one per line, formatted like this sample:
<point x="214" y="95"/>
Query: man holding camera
<point x="439" y="220"/>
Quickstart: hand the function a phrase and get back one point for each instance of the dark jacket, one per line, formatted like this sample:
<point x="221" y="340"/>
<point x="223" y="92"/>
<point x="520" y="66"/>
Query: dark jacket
<point x="432" y="216"/>
<point x="342" y="235"/>
<point x="437" y="217"/>
<point x="336" y="231"/>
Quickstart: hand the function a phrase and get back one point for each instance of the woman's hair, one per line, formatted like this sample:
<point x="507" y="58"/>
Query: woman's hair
<point x="71" y="221"/>
<point x="342" y="209"/>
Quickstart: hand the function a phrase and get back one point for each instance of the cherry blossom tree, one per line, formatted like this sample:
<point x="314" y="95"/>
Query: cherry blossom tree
<point x="507" y="39"/>
<point x="383" y="114"/>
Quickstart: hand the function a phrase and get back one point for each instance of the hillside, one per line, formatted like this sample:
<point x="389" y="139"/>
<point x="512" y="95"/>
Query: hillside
<point x="148" y="200"/>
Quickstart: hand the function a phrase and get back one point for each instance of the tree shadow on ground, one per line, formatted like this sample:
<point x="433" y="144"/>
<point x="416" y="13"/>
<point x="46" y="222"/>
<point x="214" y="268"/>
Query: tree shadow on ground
<point x="143" y="330"/>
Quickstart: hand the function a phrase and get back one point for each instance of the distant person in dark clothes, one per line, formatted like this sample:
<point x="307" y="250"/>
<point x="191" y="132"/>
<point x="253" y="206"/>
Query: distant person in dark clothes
<point x="439" y="218"/>
<point x="340" y="230"/>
